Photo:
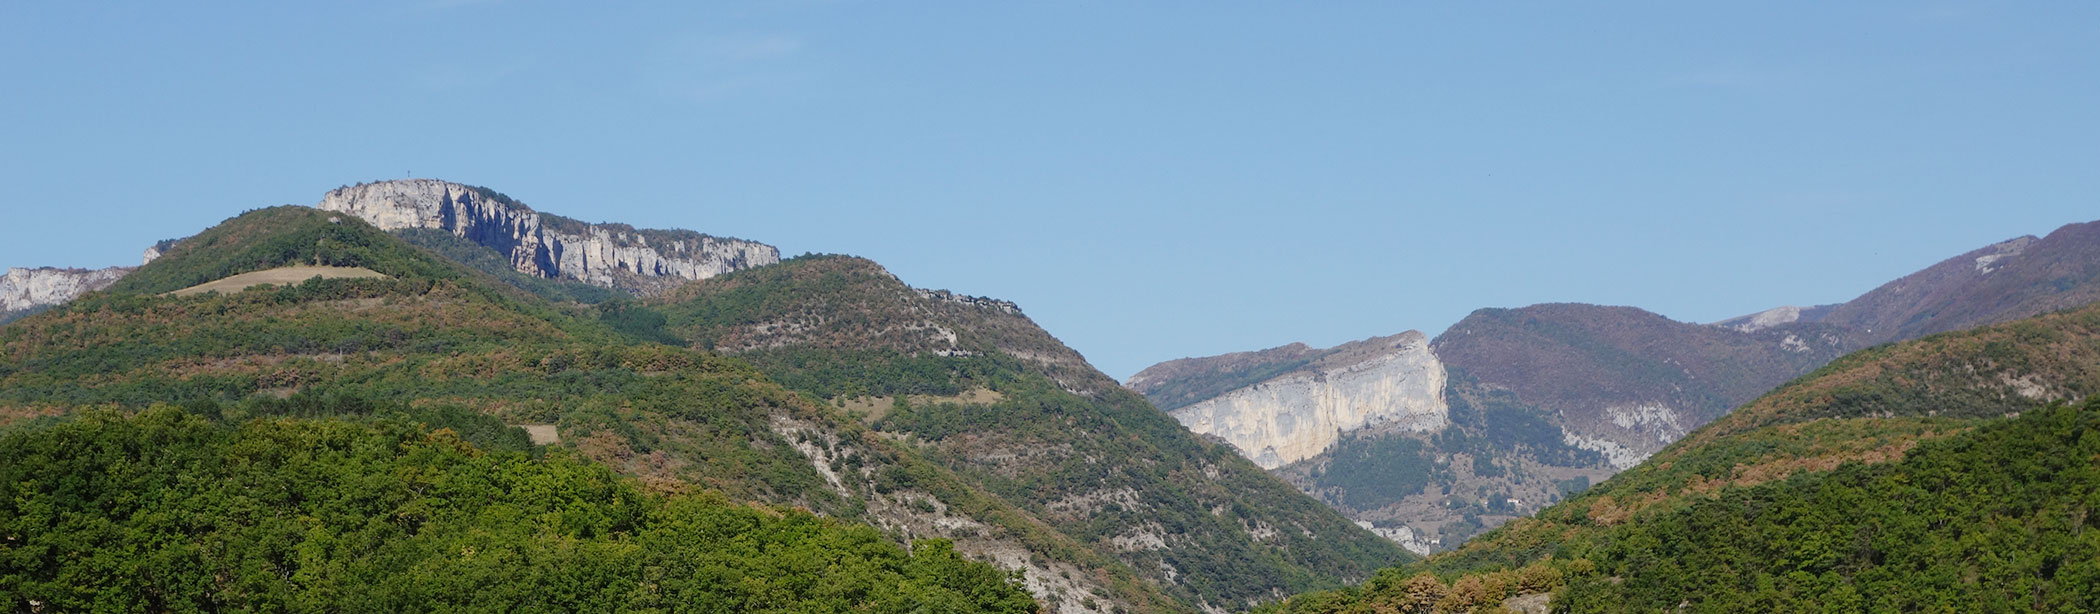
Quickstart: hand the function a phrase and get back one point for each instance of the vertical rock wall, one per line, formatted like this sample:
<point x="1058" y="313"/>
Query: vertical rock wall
<point x="609" y="255"/>
<point x="23" y="289"/>
<point x="1297" y="415"/>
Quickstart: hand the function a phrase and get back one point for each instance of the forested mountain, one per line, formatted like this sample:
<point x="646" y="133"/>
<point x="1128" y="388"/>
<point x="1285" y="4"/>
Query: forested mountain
<point x="1950" y="473"/>
<point x="208" y="507"/>
<point x="924" y="414"/>
<point x="432" y="334"/>
<point x="976" y="386"/>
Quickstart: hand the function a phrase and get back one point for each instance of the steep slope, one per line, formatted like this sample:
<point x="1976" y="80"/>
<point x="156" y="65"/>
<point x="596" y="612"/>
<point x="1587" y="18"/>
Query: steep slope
<point x="1625" y="382"/>
<point x="975" y="385"/>
<point x="642" y="261"/>
<point x="2013" y="279"/>
<point x="434" y="334"/>
<point x="1174" y="384"/>
<point x="170" y="511"/>
<point x="1929" y="474"/>
<point x="1539" y="401"/>
<point x="1776" y="316"/>
<point x="1296" y="414"/>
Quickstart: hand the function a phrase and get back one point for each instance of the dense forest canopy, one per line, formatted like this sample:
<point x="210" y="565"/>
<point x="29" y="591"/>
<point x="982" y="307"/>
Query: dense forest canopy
<point x="170" y="511"/>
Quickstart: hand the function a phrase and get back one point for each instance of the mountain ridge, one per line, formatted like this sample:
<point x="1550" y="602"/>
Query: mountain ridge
<point x="549" y="246"/>
<point x="1135" y="514"/>
<point x="1950" y="472"/>
<point x="1624" y="383"/>
<point x="982" y="389"/>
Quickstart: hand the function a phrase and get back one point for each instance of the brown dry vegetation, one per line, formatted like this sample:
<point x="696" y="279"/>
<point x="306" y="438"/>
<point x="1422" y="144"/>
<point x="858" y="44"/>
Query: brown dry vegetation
<point x="281" y="276"/>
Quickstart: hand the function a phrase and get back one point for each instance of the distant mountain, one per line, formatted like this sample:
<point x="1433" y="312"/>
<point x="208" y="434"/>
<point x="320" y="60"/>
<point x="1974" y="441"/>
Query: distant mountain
<point x="1954" y="472"/>
<point x="1625" y="382"/>
<point x="2014" y="279"/>
<point x="1299" y="406"/>
<point x="1616" y="382"/>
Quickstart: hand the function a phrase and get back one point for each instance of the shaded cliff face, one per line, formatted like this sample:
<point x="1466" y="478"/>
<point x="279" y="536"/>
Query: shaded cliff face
<point x="1293" y="416"/>
<point x="608" y="255"/>
<point x="22" y="290"/>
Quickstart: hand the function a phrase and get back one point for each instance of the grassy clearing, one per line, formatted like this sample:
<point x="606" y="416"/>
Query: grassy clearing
<point x="283" y="276"/>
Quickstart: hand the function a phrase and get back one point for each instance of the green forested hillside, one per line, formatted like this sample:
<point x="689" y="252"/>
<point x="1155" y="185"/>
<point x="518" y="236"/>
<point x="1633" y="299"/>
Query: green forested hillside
<point x="1923" y="476"/>
<point x="1043" y="428"/>
<point x="438" y="335"/>
<point x="168" y="511"/>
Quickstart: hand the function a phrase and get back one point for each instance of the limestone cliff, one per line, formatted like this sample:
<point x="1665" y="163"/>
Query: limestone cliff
<point x="642" y="261"/>
<point x="25" y="289"/>
<point x="1391" y="381"/>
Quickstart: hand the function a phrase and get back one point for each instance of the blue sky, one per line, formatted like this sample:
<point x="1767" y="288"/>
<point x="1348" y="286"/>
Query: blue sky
<point x="1149" y="180"/>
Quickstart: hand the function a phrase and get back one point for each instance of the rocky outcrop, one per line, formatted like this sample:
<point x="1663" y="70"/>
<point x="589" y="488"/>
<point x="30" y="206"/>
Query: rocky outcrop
<point x="1391" y="381"/>
<point x="609" y="255"/>
<point x="25" y="289"/>
<point x="1775" y="316"/>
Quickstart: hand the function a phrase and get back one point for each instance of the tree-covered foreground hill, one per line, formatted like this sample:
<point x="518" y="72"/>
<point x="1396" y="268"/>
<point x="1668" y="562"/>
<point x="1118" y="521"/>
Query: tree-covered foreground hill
<point x="433" y="334"/>
<point x="167" y="510"/>
<point x="1009" y="447"/>
<point x="977" y="387"/>
<point x="1943" y="474"/>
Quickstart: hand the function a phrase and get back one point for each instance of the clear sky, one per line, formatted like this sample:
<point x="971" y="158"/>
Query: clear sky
<point x="1149" y="180"/>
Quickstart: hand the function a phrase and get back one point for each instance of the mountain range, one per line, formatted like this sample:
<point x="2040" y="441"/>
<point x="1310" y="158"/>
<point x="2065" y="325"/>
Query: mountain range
<point x="420" y="392"/>
<point x="1955" y="472"/>
<point x="1543" y="400"/>
<point x="690" y="363"/>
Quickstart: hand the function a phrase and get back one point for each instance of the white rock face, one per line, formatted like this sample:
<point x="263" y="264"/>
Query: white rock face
<point x="1297" y="415"/>
<point x="1766" y="319"/>
<point x="29" y="288"/>
<point x="603" y="255"/>
<point x="1634" y="433"/>
<point x="1405" y="536"/>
